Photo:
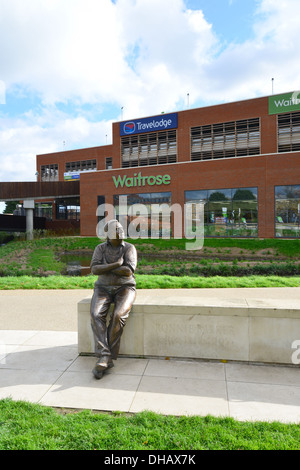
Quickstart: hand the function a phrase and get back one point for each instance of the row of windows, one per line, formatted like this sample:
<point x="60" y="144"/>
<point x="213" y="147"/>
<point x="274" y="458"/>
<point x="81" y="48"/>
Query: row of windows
<point x="49" y="172"/>
<point x="82" y="165"/>
<point x="227" y="212"/>
<point x="230" y="139"/>
<point x="213" y="141"/>
<point x="155" y="148"/>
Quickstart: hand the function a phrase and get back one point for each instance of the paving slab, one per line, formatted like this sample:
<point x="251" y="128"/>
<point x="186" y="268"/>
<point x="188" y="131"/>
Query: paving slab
<point x="181" y="396"/>
<point x="264" y="402"/>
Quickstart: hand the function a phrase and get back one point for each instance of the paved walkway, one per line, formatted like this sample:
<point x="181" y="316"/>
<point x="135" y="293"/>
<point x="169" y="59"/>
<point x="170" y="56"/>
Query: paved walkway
<point x="39" y="363"/>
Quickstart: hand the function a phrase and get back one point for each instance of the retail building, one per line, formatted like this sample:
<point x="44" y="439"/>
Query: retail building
<point x="241" y="159"/>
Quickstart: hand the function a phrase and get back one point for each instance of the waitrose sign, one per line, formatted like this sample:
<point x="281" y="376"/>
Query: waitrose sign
<point x="139" y="180"/>
<point x="285" y="103"/>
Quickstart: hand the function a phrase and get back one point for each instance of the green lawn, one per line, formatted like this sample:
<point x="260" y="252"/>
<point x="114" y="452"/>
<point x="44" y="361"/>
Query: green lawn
<point x="25" y="426"/>
<point x="148" y="282"/>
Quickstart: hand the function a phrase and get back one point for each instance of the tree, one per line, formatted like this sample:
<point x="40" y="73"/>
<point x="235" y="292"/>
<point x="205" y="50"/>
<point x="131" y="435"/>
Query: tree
<point x="10" y="207"/>
<point x="217" y="196"/>
<point x="243" y="195"/>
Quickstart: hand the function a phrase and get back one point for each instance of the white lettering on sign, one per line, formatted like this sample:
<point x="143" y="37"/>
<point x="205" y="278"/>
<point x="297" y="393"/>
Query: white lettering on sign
<point x="154" y="124"/>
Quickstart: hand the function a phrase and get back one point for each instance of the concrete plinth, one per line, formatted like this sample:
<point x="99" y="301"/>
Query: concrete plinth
<point x="191" y="326"/>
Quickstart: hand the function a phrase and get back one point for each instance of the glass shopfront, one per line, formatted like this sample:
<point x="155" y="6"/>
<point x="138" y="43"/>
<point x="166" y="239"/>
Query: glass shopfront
<point x="68" y="208"/>
<point x="227" y="212"/>
<point x="287" y="211"/>
<point x="139" y="210"/>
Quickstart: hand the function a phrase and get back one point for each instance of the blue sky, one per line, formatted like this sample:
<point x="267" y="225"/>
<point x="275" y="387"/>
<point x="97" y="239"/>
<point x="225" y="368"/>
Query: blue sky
<point x="69" y="68"/>
<point x="232" y="20"/>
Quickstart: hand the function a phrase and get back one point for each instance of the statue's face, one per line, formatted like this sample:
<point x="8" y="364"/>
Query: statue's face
<point x="120" y="232"/>
<point x="115" y="232"/>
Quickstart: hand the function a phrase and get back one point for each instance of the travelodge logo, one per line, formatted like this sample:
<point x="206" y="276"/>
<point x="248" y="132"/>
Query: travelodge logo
<point x="129" y="128"/>
<point x="150" y="124"/>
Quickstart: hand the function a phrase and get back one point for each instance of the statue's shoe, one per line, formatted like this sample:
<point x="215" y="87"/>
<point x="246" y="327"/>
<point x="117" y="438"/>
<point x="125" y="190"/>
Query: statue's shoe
<point x="102" y="364"/>
<point x="98" y="374"/>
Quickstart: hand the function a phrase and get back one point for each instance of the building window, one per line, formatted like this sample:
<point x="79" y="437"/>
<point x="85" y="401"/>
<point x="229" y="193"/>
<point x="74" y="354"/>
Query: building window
<point x="68" y="208"/>
<point x="100" y="213"/>
<point x="49" y="172"/>
<point x="108" y="163"/>
<point x="141" y="222"/>
<point x="227" y="212"/>
<point x="287" y="211"/>
<point x="83" y="165"/>
<point x="155" y="148"/>
<point x="229" y="139"/>
<point x="43" y="210"/>
<point x="289" y="132"/>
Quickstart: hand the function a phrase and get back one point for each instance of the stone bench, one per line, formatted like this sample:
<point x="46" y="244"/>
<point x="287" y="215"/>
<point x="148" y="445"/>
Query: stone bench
<point x="190" y="325"/>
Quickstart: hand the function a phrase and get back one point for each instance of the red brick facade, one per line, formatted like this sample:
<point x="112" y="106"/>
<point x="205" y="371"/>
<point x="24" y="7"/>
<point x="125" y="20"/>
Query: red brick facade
<point x="264" y="171"/>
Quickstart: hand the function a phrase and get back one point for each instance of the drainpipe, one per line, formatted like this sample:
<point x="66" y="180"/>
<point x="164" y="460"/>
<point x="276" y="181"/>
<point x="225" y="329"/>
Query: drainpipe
<point x="28" y="205"/>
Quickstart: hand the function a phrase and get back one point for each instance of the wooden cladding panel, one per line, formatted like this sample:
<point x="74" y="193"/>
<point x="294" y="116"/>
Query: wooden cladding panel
<point x="38" y="190"/>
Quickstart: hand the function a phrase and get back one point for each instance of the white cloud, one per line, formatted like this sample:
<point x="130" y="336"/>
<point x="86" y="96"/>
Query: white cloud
<point x="246" y="70"/>
<point x="22" y="139"/>
<point x="167" y="45"/>
<point x="63" y="49"/>
<point x="78" y="50"/>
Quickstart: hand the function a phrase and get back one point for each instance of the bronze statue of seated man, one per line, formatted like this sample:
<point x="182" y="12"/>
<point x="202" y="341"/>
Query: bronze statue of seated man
<point x="114" y="261"/>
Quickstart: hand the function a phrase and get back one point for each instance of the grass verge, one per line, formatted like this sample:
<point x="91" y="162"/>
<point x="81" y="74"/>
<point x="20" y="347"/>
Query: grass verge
<point x="25" y="426"/>
<point x="150" y="281"/>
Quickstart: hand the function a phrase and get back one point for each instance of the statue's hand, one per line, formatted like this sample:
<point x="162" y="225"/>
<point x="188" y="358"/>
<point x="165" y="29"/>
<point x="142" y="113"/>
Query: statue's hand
<point x="120" y="261"/>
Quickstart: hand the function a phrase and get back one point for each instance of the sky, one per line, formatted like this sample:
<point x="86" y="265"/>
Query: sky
<point x="69" y="68"/>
